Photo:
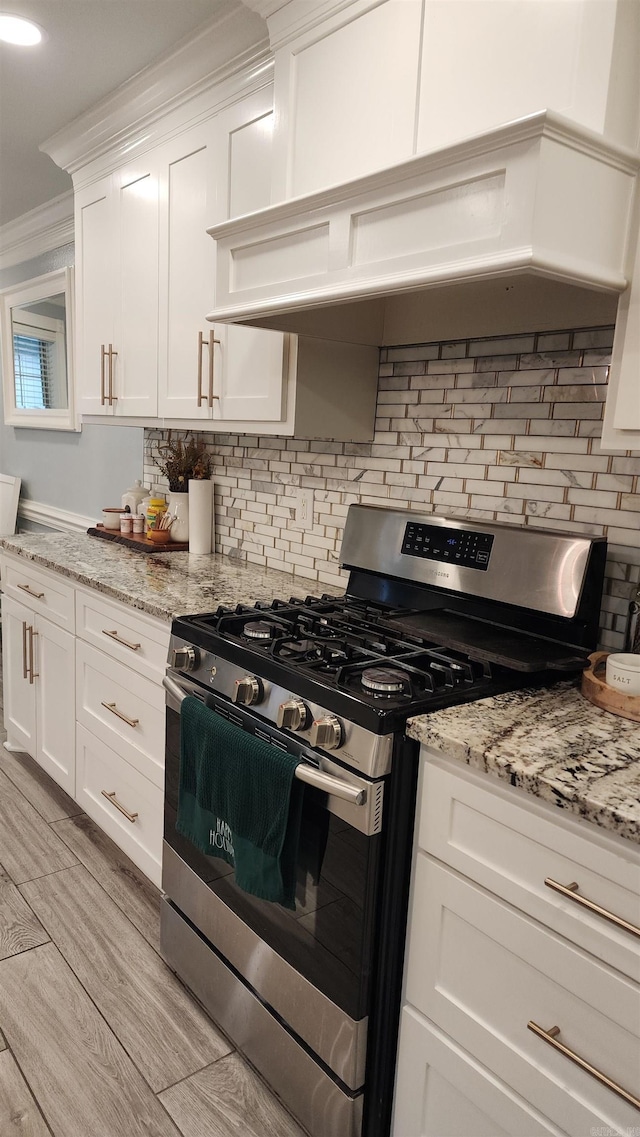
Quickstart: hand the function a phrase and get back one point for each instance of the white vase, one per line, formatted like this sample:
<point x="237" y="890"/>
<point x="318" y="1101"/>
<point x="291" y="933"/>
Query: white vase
<point x="201" y="537"/>
<point x="178" y="506"/>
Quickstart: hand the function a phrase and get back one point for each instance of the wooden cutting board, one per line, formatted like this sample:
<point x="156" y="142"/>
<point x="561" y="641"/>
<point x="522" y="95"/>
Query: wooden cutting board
<point x="140" y="543"/>
<point x="597" y="691"/>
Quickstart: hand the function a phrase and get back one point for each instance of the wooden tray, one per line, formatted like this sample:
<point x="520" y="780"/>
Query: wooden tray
<point x="140" y="544"/>
<point x="607" y="698"/>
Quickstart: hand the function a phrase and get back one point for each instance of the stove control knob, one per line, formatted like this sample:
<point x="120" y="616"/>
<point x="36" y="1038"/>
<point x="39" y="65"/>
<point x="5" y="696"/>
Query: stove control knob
<point x="184" y="658"/>
<point x="327" y="733"/>
<point x="248" y="691"/>
<point x="293" y="715"/>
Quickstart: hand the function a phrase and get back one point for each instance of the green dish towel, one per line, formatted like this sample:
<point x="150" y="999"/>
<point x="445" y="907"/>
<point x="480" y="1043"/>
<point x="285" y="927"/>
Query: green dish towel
<point x="238" y="800"/>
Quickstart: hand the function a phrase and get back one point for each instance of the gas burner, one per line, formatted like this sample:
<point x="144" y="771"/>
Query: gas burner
<point x="259" y="630"/>
<point x="385" y="680"/>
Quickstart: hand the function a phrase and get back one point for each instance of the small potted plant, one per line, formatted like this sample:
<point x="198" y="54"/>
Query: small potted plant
<point x="183" y="461"/>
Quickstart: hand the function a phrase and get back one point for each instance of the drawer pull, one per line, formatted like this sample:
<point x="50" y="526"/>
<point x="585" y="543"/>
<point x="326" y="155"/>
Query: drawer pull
<point x="550" y="1036"/>
<point x="114" y="711"/>
<point x="571" y="892"/>
<point x="27" y="588"/>
<point x="114" y="801"/>
<point x="119" y="640"/>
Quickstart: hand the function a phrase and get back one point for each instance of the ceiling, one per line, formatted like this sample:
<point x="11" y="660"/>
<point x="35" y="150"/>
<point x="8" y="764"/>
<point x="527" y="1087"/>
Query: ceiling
<point x="92" y="47"/>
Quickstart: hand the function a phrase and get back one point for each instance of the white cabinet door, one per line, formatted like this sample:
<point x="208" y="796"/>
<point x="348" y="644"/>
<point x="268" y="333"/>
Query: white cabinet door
<point x="39" y="690"/>
<point x="96" y="277"/>
<point x="55" y="703"/>
<point x="216" y="170"/>
<point x="135" y="368"/>
<point x="19" y="694"/>
<point x="117" y="294"/>
<point x="346" y="96"/>
<point x="187" y="178"/>
<point x="251" y="375"/>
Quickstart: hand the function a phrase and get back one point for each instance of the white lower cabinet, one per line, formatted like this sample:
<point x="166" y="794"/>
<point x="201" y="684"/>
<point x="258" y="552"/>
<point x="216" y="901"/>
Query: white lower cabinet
<point x="38" y="677"/>
<point x="515" y="1021"/>
<point x="121" y="801"/>
<point x="89" y="707"/>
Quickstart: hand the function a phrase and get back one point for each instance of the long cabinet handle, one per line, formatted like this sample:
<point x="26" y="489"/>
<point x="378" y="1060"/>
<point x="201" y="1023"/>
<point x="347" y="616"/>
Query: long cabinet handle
<point x="31" y="636"/>
<point x="550" y="1036"/>
<point x="571" y="893"/>
<point x="200" y="398"/>
<point x="119" y="640"/>
<point x="114" y="711"/>
<point x="112" y="398"/>
<point x="103" y="358"/>
<point x="212" y="342"/>
<point x="111" y="796"/>
<point x="209" y="398"/>
<point x="25" y="669"/>
<point x="28" y="588"/>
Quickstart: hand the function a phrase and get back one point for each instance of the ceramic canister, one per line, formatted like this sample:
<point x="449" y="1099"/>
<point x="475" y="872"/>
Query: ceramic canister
<point x="623" y="672"/>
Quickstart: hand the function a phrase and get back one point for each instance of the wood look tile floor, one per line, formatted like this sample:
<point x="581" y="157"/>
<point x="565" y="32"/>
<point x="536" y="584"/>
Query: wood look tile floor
<point x="97" y="1036"/>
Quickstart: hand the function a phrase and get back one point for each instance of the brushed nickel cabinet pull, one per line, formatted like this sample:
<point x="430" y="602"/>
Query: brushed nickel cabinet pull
<point x="571" y="893"/>
<point x="212" y="341"/>
<point x="200" y="398"/>
<point x="112" y="398"/>
<point x="114" y="711"/>
<point x="25" y="669"/>
<point x="550" y="1036"/>
<point x="103" y="356"/>
<point x="114" y="801"/>
<point x="28" y="588"/>
<point x="32" y="635"/>
<point x="119" y="640"/>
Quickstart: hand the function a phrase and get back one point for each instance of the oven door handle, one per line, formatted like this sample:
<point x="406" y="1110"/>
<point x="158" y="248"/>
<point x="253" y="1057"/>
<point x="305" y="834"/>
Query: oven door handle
<point x="304" y="771"/>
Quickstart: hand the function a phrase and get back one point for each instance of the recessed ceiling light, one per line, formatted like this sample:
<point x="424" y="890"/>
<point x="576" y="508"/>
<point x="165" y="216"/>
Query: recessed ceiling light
<point x="15" y="29"/>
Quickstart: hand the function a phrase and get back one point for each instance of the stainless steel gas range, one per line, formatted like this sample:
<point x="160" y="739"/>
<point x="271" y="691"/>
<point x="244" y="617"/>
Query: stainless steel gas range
<point x="437" y="612"/>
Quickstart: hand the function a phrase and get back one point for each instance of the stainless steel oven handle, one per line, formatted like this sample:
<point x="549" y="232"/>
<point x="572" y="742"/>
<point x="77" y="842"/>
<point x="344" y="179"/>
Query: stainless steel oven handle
<point x="304" y="772"/>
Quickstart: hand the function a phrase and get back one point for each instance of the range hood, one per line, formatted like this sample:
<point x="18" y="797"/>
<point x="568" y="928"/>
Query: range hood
<point x="526" y="225"/>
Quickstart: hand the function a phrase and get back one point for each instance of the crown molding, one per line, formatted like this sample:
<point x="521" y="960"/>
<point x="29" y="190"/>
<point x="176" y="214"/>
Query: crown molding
<point x="44" y="228"/>
<point x="231" y="42"/>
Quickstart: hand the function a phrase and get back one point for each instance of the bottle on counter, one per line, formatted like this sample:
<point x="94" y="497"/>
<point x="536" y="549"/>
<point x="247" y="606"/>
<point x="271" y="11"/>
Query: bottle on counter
<point x="156" y="507"/>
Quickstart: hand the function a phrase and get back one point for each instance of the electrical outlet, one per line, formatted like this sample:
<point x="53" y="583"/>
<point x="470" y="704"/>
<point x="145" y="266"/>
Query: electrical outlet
<point x="303" y="518"/>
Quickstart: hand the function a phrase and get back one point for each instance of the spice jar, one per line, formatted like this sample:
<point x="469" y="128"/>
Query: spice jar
<point x="137" y="522"/>
<point x="126" y="523"/>
<point x="156" y="507"/>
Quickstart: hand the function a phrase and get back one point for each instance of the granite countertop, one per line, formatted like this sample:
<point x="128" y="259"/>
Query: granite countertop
<point x="551" y="742"/>
<point x="162" y="584"/>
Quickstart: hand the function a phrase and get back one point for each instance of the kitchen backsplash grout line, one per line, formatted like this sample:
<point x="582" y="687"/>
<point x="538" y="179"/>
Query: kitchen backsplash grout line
<point x="502" y="428"/>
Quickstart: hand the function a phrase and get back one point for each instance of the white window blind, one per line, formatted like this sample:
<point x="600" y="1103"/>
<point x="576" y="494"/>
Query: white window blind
<point x="34" y="359"/>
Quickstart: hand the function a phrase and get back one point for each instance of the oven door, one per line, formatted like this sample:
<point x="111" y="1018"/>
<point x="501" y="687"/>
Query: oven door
<point x="311" y="966"/>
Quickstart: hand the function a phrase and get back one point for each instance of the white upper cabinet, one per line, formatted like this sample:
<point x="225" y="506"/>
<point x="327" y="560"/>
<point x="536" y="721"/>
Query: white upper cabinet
<point x="117" y="294"/>
<point x="346" y="96"/>
<point x="621" y="427"/>
<point x="218" y="169"/>
<point x="375" y="83"/>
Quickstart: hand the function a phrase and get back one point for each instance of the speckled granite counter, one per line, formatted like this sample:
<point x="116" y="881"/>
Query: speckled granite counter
<point x="553" y="743"/>
<point x="164" y="585"/>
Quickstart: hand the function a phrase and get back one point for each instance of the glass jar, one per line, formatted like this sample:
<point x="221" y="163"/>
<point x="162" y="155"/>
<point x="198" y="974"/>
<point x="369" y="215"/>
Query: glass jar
<point x="156" y="507"/>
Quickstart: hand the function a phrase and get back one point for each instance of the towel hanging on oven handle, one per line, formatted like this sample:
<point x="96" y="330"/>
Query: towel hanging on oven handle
<point x="304" y="772"/>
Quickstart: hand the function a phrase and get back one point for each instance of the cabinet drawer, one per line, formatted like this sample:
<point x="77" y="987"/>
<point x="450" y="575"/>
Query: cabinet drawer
<point x="512" y="847"/>
<point x="98" y="769"/>
<point x="430" y="1100"/>
<point x="123" y="709"/>
<point x="123" y="634"/>
<point x="42" y="591"/>
<point x="481" y="971"/>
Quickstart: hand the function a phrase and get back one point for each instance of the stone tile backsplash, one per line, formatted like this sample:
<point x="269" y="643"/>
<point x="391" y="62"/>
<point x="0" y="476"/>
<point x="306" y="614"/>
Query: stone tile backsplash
<point x="505" y="429"/>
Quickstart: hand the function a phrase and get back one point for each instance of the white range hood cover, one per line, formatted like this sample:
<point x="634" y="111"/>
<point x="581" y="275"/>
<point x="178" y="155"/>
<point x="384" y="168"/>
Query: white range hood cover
<point x="541" y="198"/>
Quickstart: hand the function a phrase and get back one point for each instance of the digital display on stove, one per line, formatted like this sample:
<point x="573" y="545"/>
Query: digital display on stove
<point x="451" y="546"/>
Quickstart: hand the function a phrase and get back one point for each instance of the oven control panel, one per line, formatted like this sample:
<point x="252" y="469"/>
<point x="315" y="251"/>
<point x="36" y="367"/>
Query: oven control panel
<point x="451" y="546"/>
